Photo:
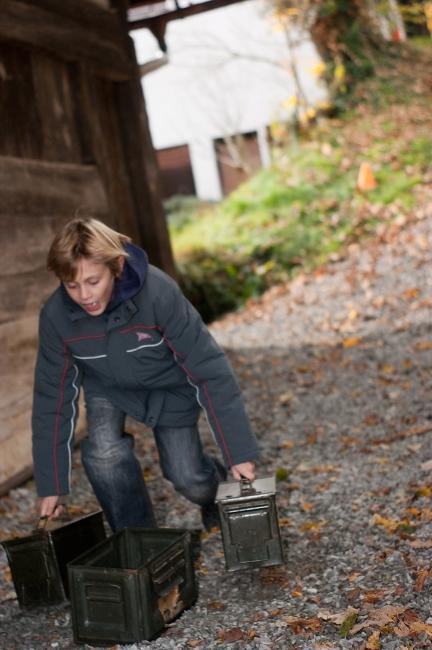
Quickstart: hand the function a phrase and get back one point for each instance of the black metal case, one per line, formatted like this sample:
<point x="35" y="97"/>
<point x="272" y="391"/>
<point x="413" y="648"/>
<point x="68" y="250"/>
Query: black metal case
<point x="127" y="588"/>
<point x="38" y="561"/>
<point x="249" y="524"/>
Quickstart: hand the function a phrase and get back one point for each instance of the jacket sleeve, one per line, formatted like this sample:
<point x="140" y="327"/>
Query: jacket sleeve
<point x="209" y="372"/>
<point x="55" y="410"/>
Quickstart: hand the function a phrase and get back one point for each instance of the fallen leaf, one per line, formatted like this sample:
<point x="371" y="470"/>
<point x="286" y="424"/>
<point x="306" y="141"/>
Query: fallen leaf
<point x="427" y="466"/>
<point x="312" y="526"/>
<point x="411" y="293"/>
<point x="373" y="642"/>
<point x="390" y="525"/>
<point x="422" y="576"/>
<point x="423" y="345"/>
<point x="354" y="576"/>
<point x="387" y="369"/>
<point x="375" y="595"/>
<point x="421" y="543"/>
<point x="231" y="635"/>
<point x="194" y="643"/>
<point x="371" y="420"/>
<point x="347" y="624"/>
<point x="351" y="342"/>
<point x="299" y="625"/>
<point x="287" y="444"/>
<point x="337" y="618"/>
<point x="380" y="617"/>
<point x="216" y="604"/>
<point x="281" y="474"/>
<point x="422" y="627"/>
<point x="285" y="398"/>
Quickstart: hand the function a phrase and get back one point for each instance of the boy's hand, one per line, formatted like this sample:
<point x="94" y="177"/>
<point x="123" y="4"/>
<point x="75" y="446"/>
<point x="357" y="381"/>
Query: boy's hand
<point x="243" y="470"/>
<point x="50" y="507"/>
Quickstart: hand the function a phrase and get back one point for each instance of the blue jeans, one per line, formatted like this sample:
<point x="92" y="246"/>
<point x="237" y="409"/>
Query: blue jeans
<point x="116" y="476"/>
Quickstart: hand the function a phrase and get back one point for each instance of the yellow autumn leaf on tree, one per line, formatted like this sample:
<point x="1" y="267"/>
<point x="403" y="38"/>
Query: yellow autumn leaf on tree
<point x="318" y="69"/>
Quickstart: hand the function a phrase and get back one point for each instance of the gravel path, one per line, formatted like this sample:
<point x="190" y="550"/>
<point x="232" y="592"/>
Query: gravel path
<point x="336" y="372"/>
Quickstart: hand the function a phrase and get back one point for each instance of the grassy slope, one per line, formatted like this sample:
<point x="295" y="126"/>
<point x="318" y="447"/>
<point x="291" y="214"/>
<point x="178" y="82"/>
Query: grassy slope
<point x="306" y="209"/>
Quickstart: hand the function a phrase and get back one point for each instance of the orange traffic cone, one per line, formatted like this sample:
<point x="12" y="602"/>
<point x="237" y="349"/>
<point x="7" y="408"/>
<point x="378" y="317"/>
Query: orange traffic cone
<point x="366" y="179"/>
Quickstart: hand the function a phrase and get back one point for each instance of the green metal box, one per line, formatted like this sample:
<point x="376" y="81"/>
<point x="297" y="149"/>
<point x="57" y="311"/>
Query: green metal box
<point x="38" y="561"/>
<point x="128" y="587"/>
<point x="249" y="524"/>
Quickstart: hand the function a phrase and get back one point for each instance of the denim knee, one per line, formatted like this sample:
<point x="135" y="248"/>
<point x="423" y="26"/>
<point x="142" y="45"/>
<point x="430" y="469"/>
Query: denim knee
<point x="107" y="451"/>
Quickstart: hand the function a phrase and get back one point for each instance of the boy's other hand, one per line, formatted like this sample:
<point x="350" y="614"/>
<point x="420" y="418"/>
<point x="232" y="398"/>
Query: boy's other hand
<point x="243" y="470"/>
<point x="50" y="507"/>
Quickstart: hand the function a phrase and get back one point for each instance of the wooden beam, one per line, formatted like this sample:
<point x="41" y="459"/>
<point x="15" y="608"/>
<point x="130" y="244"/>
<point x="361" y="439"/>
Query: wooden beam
<point x="48" y="188"/>
<point x="68" y="36"/>
<point x="141" y="160"/>
<point x="101" y="140"/>
<point x="144" y="174"/>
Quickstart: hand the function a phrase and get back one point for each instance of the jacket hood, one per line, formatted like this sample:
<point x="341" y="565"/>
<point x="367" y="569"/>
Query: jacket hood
<point x="132" y="278"/>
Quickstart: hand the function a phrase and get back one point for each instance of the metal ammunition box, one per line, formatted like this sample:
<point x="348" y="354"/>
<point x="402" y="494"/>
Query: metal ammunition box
<point x="249" y="524"/>
<point x="38" y="561"/>
<point x="127" y="588"/>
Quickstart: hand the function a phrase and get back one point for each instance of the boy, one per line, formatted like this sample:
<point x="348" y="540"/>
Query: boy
<point x="122" y="330"/>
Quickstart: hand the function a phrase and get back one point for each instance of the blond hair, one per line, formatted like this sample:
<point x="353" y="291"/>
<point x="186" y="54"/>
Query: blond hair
<point x="87" y="238"/>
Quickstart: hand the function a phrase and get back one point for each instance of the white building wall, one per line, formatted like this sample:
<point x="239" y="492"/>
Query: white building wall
<point x="228" y="73"/>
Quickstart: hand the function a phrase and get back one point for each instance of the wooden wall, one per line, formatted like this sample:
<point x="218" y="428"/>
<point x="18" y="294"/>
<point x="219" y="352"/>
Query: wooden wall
<point x="74" y="140"/>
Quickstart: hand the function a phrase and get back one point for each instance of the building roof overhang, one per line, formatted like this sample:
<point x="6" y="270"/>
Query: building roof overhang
<point x="155" y="15"/>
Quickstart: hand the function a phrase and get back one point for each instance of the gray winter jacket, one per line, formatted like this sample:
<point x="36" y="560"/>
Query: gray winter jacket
<point x="150" y="354"/>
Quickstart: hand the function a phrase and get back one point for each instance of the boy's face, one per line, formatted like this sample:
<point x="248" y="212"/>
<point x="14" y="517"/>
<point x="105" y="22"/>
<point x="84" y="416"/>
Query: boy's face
<point x="92" y="286"/>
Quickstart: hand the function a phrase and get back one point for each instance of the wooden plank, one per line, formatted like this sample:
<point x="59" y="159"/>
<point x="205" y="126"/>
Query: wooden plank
<point x="21" y="132"/>
<point x="47" y="188"/>
<point x="21" y="295"/>
<point x="18" y="341"/>
<point x="68" y="38"/>
<point x="100" y="136"/>
<point x="56" y="110"/>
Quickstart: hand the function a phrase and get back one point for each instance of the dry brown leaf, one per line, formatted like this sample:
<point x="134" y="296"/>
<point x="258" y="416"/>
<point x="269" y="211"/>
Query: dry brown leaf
<point x="423" y="345"/>
<point x="387" y="369"/>
<point x="422" y="576"/>
<point x="287" y="444"/>
<point x="231" y="635"/>
<point x="391" y="525"/>
<point x="422" y="627"/>
<point x="312" y="526"/>
<point x="371" y="420"/>
<point x="194" y="643"/>
<point x="426" y="466"/>
<point x="351" y="342"/>
<point x="421" y="543"/>
<point x="299" y="625"/>
<point x="411" y="293"/>
<point x="296" y="593"/>
<point x="216" y="604"/>
<point x="375" y="595"/>
<point x="338" y="618"/>
<point x="380" y="617"/>
<point x="373" y="642"/>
